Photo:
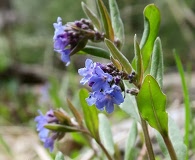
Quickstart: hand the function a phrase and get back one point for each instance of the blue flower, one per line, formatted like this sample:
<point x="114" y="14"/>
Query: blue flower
<point x="44" y="133"/>
<point x="100" y="80"/>
<point x="106" y="99"/>
<point x="87" y="72"/>
<point x="61" y="41"/>
<point x="95" y="76"/>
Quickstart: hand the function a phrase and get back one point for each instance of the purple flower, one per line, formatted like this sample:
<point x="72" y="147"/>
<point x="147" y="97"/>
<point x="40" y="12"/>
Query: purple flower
<point x="100" y="80"/>
<point x="105" y="87"/>
<point x="87" y="72"/>
<point x="95" y="76"/>
<point x="61" y="41"/>
<point x="106" y="99"/>
<point x="44" y="133"/>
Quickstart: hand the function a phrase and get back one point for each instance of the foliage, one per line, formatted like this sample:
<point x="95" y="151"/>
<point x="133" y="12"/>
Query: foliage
<point x="134" y="86"/>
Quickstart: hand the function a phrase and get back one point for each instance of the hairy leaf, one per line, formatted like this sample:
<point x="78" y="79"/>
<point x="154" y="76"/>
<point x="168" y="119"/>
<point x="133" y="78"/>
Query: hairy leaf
<point x="95" y="51"/>
<point x="105" y="17"/>
<point x="176" y="139"/>
<point x="60" y="128"/>
<point x="151" y="27"/>
<point x="59" y="156"/>
<point x="116" y="20"/>
<point x="130" y="143"/>
<point x="90" y="114"/>
<point x="139" y="62"/>
<point x="119" y="56"/>
<point x="129" y="105"/>
<point x="91" y="16"/>
<point x="157" y="67"/>
<point x="151" y="103"/>
<point x="75" y="112"/>
<point x="106" y="134"/>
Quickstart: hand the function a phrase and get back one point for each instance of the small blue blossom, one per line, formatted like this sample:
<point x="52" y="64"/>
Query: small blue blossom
<point x="100" y="80"/>
<point x="106" y="99"/>
<point x="105" y="88"/>
<point x="44" y="133"/>
<point x="87" y="72"/>
<point x="61" y="41"/>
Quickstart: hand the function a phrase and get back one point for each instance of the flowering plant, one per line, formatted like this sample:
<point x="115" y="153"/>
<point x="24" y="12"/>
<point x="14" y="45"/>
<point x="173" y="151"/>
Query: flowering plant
<point x="133" y="86"/>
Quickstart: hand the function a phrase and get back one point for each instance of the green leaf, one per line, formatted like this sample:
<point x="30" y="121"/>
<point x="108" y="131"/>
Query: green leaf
<point x="106" y="134"/>
<point x="186" y="95"/>
<point x="151" y="27"/>
<point x="80" y="45"/>
<point x="151" y="103"/>
<point x="116" y="20"/>
<point x="139" y="62"/>
<point x="61" y="128"/>
<point x="91" y="16"/>
<point x="95" y="51"/>
<point x="59" y="156"/>
<point x="62" y="116"/>
<point x="116" y="63"/>
<point x="105" y="17"/>
<point x="116" y="54"/>
<point x="129" y="105"/>
<point x="90" y="114"/>
<point x="130" y="143"/>
<point x="157" y="68"/>
<point x="75" y="112"/>
<point x="176" y="139"/>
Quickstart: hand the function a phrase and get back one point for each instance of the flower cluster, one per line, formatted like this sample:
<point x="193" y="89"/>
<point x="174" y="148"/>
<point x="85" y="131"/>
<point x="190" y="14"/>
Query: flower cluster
<point x="105" y="84"/>
<point x="47" y="137"/>
<point x="72" y="37"/>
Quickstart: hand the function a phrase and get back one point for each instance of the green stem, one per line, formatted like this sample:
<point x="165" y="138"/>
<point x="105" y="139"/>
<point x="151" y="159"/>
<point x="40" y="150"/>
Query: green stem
<point x="147" y="139"/>
<point x="100" y="144"/>
<point x="170" y="147"/>
<point x="104" y="150"/>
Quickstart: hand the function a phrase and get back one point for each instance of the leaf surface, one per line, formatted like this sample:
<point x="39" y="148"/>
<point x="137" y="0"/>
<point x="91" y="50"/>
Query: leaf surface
<point x="106" y="134"/>
<point x="151" y="103"/>
<point x="90" y="114"/>
<point x="105" y="17"/>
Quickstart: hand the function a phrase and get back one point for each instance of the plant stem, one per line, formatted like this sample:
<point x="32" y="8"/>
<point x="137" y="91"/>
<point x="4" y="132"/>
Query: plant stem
<point x="100" y="144"/>
<point x="105" y="151"/>
<point x="170" y="147"/>
<point x="147" y="139"/>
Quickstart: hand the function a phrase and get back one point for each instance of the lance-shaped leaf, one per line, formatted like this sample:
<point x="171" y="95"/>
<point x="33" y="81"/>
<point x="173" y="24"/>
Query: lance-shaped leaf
<point x="61" y="128"/>
<point x="75" y="112"/>
<point x="151" y="103"/>
<point x="129" y="105"/>
<point x="106" y="134"/>
<point x="90" y="114"/>
<point x="116" y="54"/>
<point x="105" y="17"/>
<point x="139" y="62"/>
<point x="80" y="45"/>
<point x="95" y="51"/>
<point x="59" y="156"/>
<point x="116" y="63"/>
<point x="130" y="143"/>
<point x="91" y="16"/>
<point x="176" y="139"/>
<point x="151" y="27"/>
<point x="157" y="62"/>
<point x="62" y="116"/>
<point x="116" y="20"/>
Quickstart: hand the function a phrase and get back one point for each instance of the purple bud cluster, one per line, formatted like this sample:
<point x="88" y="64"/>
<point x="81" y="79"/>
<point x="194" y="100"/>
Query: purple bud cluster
<point x="67" y="37"/>
<point x="104" y="82"/>
<point x="46" y="136"/>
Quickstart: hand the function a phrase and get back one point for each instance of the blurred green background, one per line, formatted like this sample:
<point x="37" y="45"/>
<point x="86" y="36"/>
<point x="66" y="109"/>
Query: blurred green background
<point x="33" y="77"/>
